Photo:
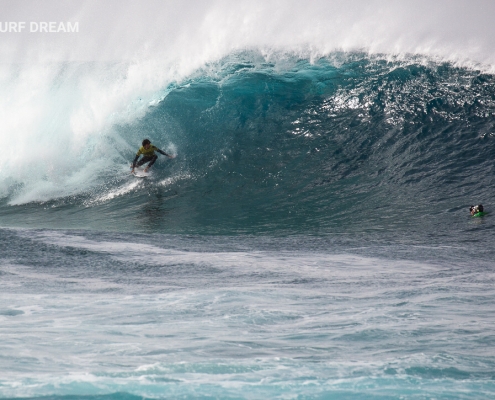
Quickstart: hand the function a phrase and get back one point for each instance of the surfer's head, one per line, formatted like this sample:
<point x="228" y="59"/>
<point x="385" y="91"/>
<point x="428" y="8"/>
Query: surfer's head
<point x="476" y="209"/>
<point x="146" y="142"/>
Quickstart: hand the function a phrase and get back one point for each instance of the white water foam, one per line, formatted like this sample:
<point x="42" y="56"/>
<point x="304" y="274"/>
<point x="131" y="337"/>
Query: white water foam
<point x="269" y="323"/>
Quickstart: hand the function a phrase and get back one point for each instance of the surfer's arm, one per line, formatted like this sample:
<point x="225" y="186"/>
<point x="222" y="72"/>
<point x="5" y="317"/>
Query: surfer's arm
<point x="135" y="161"/>
<point x="162" y="152"/>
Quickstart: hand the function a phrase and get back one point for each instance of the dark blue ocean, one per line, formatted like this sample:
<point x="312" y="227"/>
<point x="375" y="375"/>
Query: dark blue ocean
<point x="311" y="239"/>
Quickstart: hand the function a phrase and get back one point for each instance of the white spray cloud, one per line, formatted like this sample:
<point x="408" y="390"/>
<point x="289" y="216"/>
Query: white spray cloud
<point x="205" y="29"/>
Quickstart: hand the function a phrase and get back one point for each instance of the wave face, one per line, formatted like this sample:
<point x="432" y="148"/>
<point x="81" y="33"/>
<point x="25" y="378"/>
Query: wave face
<point x="349" y="142"/>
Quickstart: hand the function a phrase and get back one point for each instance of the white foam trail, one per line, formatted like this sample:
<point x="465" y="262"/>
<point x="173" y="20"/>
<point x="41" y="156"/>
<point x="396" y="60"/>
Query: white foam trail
<point x="120" y="191"/>
<point x="341" y="263"/>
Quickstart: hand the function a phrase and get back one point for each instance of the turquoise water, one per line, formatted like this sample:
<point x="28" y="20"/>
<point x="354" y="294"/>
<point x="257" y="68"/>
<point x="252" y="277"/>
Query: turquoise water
<point x="311" y="239"/>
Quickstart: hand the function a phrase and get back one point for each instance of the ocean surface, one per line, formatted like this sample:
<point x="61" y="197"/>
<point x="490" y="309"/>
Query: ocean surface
<point x="311" y="239"/>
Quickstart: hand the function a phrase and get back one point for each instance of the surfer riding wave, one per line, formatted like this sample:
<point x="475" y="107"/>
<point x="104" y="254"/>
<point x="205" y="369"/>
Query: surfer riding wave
<point x="147" y="150"/>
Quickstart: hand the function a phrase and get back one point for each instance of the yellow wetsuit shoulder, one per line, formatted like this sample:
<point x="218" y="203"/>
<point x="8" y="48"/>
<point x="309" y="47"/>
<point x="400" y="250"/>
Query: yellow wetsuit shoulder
<point x="147" y="152"/>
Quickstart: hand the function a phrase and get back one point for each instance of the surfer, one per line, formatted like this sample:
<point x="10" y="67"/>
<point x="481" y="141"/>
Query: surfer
<point x="148" y="152"/>
<point x="476" y="209"/>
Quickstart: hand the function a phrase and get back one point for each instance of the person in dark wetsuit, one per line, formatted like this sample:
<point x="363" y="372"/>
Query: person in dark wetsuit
<point x="148" y="152"/>
<point x="476" y="209"/>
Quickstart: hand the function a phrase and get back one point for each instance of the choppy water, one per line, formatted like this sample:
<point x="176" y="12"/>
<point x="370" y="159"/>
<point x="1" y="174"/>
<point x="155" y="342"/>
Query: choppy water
<point x="124" y="316"/>
<point x="311" y="239"/>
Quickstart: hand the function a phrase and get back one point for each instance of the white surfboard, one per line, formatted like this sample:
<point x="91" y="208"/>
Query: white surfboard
<point x="139" y="172"/>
